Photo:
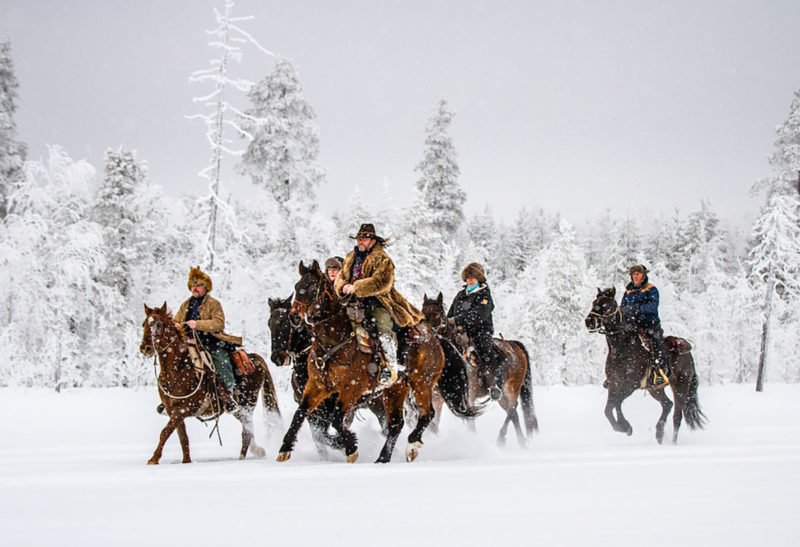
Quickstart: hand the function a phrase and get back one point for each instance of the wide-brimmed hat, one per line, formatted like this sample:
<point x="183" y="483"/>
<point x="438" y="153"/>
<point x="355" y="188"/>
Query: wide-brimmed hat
<point x="474" y="270"/>
<point x="333" y="263"/>
<point x="641" y="268"/>
<point x="367" y="230"/>
<point x="199" y="277"/>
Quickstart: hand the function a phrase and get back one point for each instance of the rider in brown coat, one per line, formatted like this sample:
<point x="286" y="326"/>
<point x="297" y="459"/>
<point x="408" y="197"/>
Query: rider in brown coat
<point x="368" y="273"/>
<point x="203" y="316"/>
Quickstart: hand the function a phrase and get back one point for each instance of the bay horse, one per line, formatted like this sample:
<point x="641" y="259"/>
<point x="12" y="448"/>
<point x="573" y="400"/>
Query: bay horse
<point x="628" y="367"/>
<point x="188" y="392"/>
<point x="290" y="343"/>
<point x="338" y="366"/>
<point x="514" y="359"/>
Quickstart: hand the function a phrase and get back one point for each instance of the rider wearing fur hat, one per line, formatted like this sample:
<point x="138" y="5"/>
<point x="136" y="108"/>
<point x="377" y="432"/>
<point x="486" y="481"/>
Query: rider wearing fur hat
<point x="640" y="308"/>
<point x="472" y="309"/>
<point x="203" y="315"/>
<point x="368" y="273"/>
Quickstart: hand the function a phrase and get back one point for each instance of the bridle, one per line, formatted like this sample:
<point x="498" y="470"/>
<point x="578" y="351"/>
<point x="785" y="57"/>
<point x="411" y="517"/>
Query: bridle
<point x="157" y="352"/>
<point x="601" y="319"/>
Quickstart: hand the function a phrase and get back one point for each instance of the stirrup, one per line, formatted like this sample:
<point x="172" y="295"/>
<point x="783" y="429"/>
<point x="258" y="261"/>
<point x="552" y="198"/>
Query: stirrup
<point x="659" y="378"/>
<point x="387" y="376"/>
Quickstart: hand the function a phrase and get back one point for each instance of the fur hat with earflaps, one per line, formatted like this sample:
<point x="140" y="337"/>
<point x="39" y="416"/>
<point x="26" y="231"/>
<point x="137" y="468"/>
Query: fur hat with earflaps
<point x="641" y="268"/>
<point x="474" y="270"/>
<point x="333" y="263"/>
<point x="198" y="277"/>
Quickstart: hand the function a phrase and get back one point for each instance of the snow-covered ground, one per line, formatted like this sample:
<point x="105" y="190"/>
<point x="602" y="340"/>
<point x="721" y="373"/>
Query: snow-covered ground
<point x="72" y="472"/>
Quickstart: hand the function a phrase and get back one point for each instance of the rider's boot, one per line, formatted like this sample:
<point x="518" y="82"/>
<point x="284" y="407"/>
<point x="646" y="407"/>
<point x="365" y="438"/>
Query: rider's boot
<point x="388" y="374"/>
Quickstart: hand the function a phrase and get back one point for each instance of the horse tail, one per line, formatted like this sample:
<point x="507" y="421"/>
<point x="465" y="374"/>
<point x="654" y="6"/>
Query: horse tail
<point x="453" y="383"/>
<point x="694" y="417"/>
<point x="526" y="394"/>
<point x="268" y="396"/>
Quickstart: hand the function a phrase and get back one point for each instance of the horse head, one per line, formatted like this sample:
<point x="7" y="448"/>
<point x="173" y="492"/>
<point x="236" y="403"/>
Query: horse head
<point x="158" y="330"/>
<point x="433" y="310"/>
<point x="314" y="297"/>
<point x="280" y="328"/>
<point x="604" y="309"/>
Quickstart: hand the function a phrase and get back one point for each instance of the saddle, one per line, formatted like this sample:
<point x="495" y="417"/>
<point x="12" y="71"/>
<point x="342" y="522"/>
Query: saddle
<point x="674" y="344"/>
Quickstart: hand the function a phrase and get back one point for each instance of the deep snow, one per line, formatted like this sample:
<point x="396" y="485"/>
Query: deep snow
<point x="72" y="472"/>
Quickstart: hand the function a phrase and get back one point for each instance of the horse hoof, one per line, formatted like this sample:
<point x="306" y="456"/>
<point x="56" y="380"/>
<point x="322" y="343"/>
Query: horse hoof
<point x="352" y="457"/>
<point x="629" y="432"/>
<point x="501" y="442"/>
<point x="152" y="461"/>
<point x="187" y="460"/>
<point x="412" y="451"/>
<point x="284" y="456"/>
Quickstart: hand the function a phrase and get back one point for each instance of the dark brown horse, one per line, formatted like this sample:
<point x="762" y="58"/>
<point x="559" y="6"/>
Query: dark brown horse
<point x="290" y="343"/>
<point x="628" y="366"/>
<point x="512" y="356"/>
<point x="338" y="366"/>
<point x="189" y="392"/>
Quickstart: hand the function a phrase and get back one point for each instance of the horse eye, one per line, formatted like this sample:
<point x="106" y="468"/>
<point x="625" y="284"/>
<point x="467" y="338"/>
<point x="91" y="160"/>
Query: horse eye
<point x="302" y="291"/>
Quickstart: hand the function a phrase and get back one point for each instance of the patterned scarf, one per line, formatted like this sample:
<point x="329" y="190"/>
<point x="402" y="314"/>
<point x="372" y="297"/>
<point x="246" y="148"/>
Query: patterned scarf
<point x="358" y="264"/>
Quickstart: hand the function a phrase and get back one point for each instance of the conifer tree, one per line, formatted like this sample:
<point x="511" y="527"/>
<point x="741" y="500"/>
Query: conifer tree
<point x="12" y="152"/>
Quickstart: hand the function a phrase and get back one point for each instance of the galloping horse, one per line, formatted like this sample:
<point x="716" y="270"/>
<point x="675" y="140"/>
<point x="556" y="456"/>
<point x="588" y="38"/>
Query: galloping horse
<point x="291" y="344"/>
<point x="186" y="391"/>
<point x="517" y="385"/>
<point x="628" y="366"/>
<point x="337" y="366"/>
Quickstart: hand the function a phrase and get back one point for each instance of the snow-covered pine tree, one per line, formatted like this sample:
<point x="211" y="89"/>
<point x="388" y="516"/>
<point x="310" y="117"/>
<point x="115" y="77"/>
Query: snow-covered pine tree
<point x="438" y="184"/>
<point x="12" y="152"/>
<point x="703" y="249"/>
<point x="227" y="34"/>
<point x="283" y="154"/>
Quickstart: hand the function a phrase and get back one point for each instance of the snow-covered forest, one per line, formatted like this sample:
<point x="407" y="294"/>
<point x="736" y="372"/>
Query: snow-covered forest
<point x="83" y="247"/>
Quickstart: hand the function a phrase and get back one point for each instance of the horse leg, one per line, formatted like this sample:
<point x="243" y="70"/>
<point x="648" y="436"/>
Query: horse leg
<point x="349" y="439"/>
<point x="165" y="433"/>
<point x="309" y="402"/>
<point x="393" y="399"/>
<point x="245" y="417"/>
<point x="422" y="395"/>
<point x="677" y="415"/>
<point x="666" y="407"/>
<point x="438" y="404"/>
<point x="184" y="438"/>
<point x="614" y="403"/>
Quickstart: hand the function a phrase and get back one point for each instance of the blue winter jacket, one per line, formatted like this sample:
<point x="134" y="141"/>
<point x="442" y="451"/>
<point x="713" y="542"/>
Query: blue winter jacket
<point x="641" y="303"/>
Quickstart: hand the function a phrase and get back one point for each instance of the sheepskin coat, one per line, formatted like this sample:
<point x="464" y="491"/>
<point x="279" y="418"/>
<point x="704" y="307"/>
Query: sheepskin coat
<point x="212" y="319"/>
<point x="377" y="279"/>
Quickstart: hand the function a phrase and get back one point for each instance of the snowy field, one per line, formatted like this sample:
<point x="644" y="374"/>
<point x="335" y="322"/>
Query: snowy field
<point x="72" y="472"/>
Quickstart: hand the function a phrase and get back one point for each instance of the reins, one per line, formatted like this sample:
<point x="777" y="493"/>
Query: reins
<point x="161" y="387"/>
<point x="602" y="328"/>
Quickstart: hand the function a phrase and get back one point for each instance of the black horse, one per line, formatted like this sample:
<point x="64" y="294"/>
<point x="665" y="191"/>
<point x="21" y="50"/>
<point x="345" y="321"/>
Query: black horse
<point x="290" y="345"/>
<point x="628" y="367"/>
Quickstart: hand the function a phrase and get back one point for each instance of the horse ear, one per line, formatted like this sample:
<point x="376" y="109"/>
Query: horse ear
<point x="301" y="269"/>
<point x="315" y="266"/>
<point x="271" y="303"/>
<point x="164" y="307"/>
<point x="146" y="310"/>
<point x="291" y="296"/>
<point x="439" y="298"/>
<point x="598" y="291"/>
<point x="613" y="291"/>
<point x="424" y="297"/>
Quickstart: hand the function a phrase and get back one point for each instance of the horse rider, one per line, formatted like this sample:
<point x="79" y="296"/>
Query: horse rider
<point x="472" y="309"/>
<point x="203" y="316"/>
<point x="368" y="273"/>
<point x="640" y="308"/>
<point x="333" y="266"/>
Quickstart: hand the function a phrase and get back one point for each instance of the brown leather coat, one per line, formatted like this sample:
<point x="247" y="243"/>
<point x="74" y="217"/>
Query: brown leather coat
<point x="378" y="280"/>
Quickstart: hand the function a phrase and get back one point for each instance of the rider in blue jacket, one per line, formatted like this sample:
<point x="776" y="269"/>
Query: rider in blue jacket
<point x="640" y="308"/>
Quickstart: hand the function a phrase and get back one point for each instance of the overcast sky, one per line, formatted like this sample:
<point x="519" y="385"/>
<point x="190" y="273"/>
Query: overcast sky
<point x="570" y="106"/>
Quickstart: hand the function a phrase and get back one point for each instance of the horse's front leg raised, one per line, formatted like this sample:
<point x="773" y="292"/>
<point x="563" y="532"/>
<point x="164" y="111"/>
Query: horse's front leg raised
<point x="311" y="400"/>
<point x="165" y="433"/>
<point x="614" y="403"/>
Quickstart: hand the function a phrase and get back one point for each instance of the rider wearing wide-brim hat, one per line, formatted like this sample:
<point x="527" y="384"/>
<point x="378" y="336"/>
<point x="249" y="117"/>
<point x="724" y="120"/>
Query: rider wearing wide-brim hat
<point x="368" y="273"/>
<point x="205" y="319"/>
<point x="640" y="308"/>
